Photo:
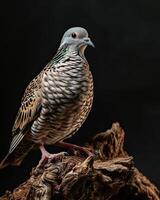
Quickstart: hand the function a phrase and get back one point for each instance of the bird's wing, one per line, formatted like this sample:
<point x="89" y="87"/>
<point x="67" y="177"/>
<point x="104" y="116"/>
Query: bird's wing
<point x="28" y="112"/>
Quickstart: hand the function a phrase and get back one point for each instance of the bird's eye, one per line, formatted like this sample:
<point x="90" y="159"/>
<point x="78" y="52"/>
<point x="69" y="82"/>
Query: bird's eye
<point x="74" y="35"/>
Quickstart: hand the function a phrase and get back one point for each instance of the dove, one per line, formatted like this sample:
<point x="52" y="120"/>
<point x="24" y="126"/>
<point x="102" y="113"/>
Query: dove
<point x="56" y="102"/>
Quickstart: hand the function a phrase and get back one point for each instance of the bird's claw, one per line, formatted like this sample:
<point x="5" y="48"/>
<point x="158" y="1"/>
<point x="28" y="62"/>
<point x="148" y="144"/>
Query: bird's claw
<point x="57" y="156"/>
<point x="49" y="158"/>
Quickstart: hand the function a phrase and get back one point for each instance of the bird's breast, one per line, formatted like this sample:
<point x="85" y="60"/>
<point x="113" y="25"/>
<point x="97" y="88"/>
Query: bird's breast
<point x="64" y="86"/>
<point x="67" y="96"/>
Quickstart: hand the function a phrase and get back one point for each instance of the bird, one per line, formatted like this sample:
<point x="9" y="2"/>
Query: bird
<point x="56" y="102"/>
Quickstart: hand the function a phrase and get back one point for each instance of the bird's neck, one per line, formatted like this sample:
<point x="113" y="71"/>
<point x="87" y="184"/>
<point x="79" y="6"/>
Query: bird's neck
<point x="69" y="50"/>
<point x="62" y="51"/>
<point x="78" y="51"/>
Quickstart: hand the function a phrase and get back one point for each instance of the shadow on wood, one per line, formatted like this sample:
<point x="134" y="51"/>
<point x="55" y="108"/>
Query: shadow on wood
<point x="111" y="174"/>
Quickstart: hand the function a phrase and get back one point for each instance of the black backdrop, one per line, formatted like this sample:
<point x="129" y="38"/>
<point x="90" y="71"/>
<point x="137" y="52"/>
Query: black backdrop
<point x="125" y="66"/>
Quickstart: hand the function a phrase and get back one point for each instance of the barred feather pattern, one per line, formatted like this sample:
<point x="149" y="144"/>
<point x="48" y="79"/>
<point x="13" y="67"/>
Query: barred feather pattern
<point x="67" y="95"/>
<point x="56" y="102"/>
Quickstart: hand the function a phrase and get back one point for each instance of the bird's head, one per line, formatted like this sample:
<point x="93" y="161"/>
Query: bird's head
<point x="76" y="38"/>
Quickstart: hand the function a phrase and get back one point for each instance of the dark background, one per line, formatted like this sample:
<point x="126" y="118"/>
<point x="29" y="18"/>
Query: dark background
<point x="125" y="66"/>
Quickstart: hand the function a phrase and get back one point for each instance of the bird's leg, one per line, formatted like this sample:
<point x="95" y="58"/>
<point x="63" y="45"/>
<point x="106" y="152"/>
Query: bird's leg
<point x="46" y="155"/>
<point x="74" y="147"/>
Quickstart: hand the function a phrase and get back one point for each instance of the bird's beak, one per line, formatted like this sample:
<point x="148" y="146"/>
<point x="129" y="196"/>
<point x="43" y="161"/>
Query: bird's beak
<point x="87" y="41"/>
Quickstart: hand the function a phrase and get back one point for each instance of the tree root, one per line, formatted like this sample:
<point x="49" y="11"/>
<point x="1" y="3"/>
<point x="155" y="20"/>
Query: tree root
<point x="110" y="175"/>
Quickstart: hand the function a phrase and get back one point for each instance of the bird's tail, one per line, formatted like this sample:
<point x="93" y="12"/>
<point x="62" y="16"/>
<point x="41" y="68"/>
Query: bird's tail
<point x="16" y="157"/>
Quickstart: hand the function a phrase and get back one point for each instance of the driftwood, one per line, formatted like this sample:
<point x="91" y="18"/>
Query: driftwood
<point x="111" y="174"/>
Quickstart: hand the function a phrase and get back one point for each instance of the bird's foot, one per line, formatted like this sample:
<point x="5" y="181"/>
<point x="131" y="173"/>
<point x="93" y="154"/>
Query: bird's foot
<point x="46" y="156"/>
<point x="75" y="148"/>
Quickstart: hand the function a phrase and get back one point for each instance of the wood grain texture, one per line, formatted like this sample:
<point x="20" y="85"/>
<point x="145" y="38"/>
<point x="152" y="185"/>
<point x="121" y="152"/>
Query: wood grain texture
<point x="110" y="175"/>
